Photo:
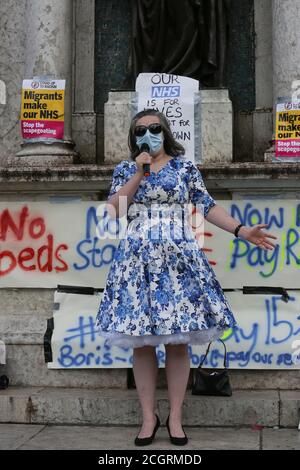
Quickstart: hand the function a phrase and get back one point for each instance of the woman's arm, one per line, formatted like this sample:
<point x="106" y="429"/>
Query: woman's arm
<point x="118" y="203"/>
<point x="218" y="216"/>
<point x="125" y="185"/>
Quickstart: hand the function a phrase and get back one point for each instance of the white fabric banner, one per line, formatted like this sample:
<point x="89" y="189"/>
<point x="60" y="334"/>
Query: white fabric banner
<point x="267" y="336"/>
<point x="43" y="244"/>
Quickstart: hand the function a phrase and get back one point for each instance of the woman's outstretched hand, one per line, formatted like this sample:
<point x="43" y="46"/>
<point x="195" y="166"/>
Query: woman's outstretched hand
<point x="256" y="236"/>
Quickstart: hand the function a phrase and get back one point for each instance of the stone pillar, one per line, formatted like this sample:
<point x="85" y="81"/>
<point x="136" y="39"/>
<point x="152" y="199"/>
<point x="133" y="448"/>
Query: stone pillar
<point x="286" y="46"/>
<point x="49" y="53"/>
<point x="285" y="52"/>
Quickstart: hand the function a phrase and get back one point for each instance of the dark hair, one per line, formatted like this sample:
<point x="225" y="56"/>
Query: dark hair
<point x="171" y="146"/>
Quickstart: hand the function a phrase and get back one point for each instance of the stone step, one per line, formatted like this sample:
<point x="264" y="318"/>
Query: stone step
<point x="39" y="405"/>
<point x="23" y="320"/>
<point x="26" y="367"/>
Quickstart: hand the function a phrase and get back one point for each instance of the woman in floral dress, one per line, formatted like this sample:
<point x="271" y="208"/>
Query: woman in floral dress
<point x="161" y="288"/>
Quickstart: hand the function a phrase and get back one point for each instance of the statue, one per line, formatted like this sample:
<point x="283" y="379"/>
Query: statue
<point x="181" y="37"/>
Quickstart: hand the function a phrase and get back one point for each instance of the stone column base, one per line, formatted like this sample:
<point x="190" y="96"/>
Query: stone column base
<point x="46" y="154"/>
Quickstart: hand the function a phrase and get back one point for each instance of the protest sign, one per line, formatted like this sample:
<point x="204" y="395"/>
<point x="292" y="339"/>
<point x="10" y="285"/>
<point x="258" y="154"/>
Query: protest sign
<point x="174" y="96"/>
<point x="42" y="109"/>
<point x="288" y="130"/>
<point x="43" y="244"/>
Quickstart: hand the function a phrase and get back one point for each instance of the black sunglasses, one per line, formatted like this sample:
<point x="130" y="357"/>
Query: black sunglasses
<point x="154" y="128"/>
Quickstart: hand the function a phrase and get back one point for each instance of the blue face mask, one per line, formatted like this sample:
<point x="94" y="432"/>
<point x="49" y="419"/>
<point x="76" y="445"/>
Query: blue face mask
<point x="155" y="141"/>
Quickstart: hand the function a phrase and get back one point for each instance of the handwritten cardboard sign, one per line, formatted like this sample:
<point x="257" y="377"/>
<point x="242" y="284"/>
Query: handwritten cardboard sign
<point x="174" y="96"/>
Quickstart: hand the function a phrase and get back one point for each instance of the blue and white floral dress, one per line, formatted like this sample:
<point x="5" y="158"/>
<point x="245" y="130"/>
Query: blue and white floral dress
<point x="160" y="287"/>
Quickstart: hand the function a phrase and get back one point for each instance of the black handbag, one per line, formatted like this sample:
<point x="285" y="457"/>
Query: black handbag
<point x="4" y="381"/>
<point x="211" y="381"/>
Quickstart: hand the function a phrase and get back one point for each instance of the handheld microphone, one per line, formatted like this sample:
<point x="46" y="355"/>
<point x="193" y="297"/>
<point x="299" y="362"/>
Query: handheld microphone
<point x="146" y="166"/>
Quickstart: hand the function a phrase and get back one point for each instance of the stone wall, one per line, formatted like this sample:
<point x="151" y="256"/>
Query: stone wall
<point x="24" y="312"/>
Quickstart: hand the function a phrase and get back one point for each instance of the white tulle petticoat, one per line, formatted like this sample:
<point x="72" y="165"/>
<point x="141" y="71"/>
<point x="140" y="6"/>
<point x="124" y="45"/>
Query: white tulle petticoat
<point x="193" y="337"/>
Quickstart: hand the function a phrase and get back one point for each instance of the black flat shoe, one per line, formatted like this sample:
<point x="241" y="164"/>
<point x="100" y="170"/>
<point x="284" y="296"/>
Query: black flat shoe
<point x="177" y="441"/>
<point x="145" y="441"/>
